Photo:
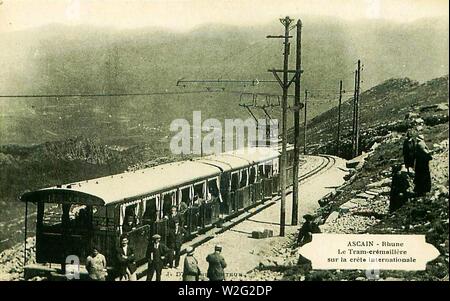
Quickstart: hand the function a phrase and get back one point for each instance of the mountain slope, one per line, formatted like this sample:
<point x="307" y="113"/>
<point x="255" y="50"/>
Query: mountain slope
<point x="65" y="59"/>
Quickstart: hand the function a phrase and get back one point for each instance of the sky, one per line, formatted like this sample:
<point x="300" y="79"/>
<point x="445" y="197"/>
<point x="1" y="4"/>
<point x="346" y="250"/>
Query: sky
<point x="183" y="15"/>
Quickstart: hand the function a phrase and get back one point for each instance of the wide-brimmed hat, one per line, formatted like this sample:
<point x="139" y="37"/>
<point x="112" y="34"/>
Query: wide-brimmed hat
<point x="421" y="137"/>
<point x="189" y="250"/>
<point x="156" y="236"/>
<point x="218" y="248"/>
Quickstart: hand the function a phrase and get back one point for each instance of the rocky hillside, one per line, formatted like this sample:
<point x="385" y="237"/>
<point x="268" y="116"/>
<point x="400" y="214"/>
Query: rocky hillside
<point x="394" y="105"/>
<point x="361" y="205"/>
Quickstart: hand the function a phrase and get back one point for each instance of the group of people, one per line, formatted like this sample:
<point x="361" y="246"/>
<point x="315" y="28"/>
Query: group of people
<point x="416" y="156"/>
<point x="159" y="256"/>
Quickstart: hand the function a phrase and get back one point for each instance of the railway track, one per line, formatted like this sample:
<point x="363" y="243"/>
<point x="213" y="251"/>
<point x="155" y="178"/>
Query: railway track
<point x="326" y="163"/>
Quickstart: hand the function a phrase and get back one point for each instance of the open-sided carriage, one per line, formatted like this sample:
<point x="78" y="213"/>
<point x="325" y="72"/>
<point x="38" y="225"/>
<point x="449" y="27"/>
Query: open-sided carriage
<point x="74" y="217"/>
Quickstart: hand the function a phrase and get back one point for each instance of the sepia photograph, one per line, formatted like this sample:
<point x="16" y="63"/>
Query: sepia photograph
<point x="224" y="140"/>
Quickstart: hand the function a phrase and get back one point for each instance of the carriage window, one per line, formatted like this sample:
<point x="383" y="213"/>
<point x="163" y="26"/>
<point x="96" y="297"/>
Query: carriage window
<point x="79" y="215"/>
<point x="73" y="216"/>
<point x="102" y="217"/>
<point x="261" y="171"/>
<point x="169" y="199"/>
<point x="234" y="181"/>
<point x="268" y="170"/>
<point x="52" y="214"/>
<point x="130" y="218"/>
<point x="150" y="211"/>
<point x="186" y="196"/>
<point x="243" y="178"/>
<point x="199" y="190"/>
<point x="225" y="182"/>
<point x="252" y="176"/>
<point x="213" y="188"/>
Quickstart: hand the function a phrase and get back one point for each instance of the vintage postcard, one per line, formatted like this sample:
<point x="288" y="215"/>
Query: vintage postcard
<point x="207" y="140"/>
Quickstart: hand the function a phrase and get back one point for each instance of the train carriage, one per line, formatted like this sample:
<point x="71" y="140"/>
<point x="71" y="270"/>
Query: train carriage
<point x="72" y="218"/>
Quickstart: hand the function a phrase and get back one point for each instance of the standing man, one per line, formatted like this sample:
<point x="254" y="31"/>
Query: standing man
<point x="422" y="177"/>
<point x="191" y="271"/>
<point x="96" y="266"/>
<point x="174" y="217"/>
<point x="409" y="151"/>
<point x="156" y="254"/>
<point x="126" y="264"/>
<point x="174" y="242"/>
<point x="216" y="265"/>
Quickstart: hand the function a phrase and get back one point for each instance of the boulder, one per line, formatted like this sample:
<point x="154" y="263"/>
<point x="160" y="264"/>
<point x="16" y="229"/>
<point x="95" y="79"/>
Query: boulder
<point x="411" y="115"/>
<point x="366" y="196"/>
<point x="268" y="233"/>
<point x="264" y="263"/>
<point x="259" y="234"/>
<point x="442" y="107"/>
<point x="346" y="207"/>
<point x="357" y="162"/>
<point x="373" y="192"/>
<point x="359" y="201"/>
<point x="418" y="121"/>
<point x="382" y="183"/>
<point x="332" y="217"/>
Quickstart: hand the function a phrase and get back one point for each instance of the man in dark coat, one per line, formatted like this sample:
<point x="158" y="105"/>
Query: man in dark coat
<point x="422" y="177"/>
<point x="216" y="265"/>
<point x="409" y="151"/>
<point x="174" y="217"/>
<point x="191" y="271"/>
<point x="174" y="242"/>
<point x="156" y="254"/>
<point x="308" y="228"/>
<point x="126" y="264"/>
<point x="399" y="188"/>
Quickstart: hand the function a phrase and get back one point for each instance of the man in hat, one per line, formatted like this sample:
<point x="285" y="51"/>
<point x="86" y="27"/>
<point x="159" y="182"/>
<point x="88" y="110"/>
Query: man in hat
<point x="422" y="177"/>
<point x="409" y="151"/>
<point x="174" y="242"/>
<point x="399" y="187"/>
<point x="126" y="264"/>
<point x="216" y="265"/>
<point x="191" y="271"/>
<point x="308" y="228"/>
<point x="156" y="254"/>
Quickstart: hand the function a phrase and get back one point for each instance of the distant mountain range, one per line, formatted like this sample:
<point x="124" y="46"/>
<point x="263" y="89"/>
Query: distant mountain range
<point x="65" y="59"/>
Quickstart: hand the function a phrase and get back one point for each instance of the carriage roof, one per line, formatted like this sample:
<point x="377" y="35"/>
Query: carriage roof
<point x="240" y="158"/>
<point x="134" y="184"/>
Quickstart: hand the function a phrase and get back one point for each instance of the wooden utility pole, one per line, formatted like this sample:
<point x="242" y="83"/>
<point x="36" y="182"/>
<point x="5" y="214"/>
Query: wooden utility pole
<point x="305" y="122"/>
<point x="354" y="117"/>
<point x="338" y="145"/>
<point x="298" y="66"/>
<point x="285" y="86"/>
<point x="357" y="109"/>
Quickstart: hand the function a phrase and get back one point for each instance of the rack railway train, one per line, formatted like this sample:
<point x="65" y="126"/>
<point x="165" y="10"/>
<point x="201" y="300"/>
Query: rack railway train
<point x="209" y="190"/>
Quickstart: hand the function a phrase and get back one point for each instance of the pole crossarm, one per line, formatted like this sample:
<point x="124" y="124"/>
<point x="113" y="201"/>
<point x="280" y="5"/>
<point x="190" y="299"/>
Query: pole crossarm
<point x="253" y="82"/>
<point x="278" y="37"/>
